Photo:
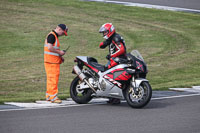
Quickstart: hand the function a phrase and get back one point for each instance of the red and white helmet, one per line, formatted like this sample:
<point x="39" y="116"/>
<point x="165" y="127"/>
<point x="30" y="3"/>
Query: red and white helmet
<point x="107" y="29"/>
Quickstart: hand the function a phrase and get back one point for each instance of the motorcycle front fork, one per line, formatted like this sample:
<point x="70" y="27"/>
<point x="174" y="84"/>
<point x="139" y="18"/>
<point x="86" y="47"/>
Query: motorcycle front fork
<point x="133" y="88"/>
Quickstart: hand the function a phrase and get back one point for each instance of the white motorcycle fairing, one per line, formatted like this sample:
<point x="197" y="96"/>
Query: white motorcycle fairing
<point x="127" y="80"/>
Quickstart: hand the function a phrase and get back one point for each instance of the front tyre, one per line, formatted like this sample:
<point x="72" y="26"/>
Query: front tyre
<point x="140" y="98"/>
<point x="78" y="95"/>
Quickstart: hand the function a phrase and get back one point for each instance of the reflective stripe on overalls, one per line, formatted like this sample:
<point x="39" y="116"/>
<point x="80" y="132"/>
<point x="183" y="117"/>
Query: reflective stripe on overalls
<point x="51" y="97"/>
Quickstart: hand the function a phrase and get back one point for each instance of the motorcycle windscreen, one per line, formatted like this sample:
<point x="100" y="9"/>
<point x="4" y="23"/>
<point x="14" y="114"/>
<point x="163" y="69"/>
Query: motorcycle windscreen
<point x="138" y="64"/>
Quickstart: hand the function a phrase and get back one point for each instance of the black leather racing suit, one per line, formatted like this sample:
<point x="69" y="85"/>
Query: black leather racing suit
<point x="117" y="48"/>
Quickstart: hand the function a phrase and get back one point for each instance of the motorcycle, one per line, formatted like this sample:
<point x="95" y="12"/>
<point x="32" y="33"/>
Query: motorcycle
<point x="125" y="81"/>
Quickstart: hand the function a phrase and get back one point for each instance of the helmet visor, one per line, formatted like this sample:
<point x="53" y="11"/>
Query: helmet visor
<point x="102" y="30"/>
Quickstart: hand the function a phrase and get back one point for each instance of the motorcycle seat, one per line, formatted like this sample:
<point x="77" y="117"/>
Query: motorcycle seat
<point x="93" y="62"/>
<point x="98" y="66"/>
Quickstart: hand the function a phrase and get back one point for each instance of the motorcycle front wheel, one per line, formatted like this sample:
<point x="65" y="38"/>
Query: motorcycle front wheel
<point x="141" y="97"/>
<point x="80" y="96"/>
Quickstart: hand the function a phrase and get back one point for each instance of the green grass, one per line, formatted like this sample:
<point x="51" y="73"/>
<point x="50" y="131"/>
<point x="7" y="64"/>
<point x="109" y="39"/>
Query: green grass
<point x="169" y="42"/>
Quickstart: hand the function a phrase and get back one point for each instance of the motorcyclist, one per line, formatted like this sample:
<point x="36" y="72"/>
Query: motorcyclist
<point x="117" y="49"/>
<point x="115" y="42"/>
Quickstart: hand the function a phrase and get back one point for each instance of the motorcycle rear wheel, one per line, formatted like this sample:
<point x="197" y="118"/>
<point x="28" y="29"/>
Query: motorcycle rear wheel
<point x="81" y="97"/>
<point x="139" y="99"/>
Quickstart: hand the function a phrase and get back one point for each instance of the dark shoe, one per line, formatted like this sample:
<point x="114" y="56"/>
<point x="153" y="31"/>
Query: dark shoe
<point x="114" y="101"/>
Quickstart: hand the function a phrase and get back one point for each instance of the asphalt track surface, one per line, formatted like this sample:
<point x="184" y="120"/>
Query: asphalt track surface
<point x="174" y="115"/>
<point x="190" y="4"/>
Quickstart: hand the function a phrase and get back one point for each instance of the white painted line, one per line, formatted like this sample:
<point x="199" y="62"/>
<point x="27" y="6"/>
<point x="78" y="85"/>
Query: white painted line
<point x="160" y="98"/>
<point x="180" y="89"/>
<point x="196" y="87"/>
<point x="97" y="103"/>
<point x="46" y="104"/>
<point x="193" y="89"/>
<point x="148" y="6"/>
<point x="43" y="104"/>
<point x="75" y="105"/>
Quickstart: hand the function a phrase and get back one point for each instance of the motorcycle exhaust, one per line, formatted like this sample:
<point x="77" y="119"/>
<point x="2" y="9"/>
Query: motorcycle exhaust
<point x="82" y="77"/>
<point x="79" y="73"/>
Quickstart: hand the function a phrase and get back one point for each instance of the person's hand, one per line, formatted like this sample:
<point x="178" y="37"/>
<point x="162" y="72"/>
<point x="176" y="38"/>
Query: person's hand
<point x="62" y="59"/>
<point x="61" y="53"/>
<point x="108" y="57"/>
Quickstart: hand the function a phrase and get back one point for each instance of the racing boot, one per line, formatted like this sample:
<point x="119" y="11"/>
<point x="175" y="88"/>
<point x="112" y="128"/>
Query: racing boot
<point x="114" y="101"/>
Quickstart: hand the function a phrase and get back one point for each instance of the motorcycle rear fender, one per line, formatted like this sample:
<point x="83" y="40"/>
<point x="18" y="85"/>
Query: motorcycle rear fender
<point x="82" y="58"/>
<point x="80" y="62"/>
<point x="136" y="83"/>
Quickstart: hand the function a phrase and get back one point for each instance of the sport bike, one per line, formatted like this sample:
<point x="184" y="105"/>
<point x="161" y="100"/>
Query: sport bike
<point x="125" y="81"/>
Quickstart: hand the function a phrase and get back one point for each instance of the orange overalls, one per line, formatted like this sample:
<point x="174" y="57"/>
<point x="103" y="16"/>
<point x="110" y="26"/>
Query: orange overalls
<point x="52" y="63"/>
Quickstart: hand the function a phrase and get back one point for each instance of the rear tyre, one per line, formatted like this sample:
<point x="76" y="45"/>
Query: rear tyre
<point x="81" y="97"/>
<point x="140" y="98"/>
